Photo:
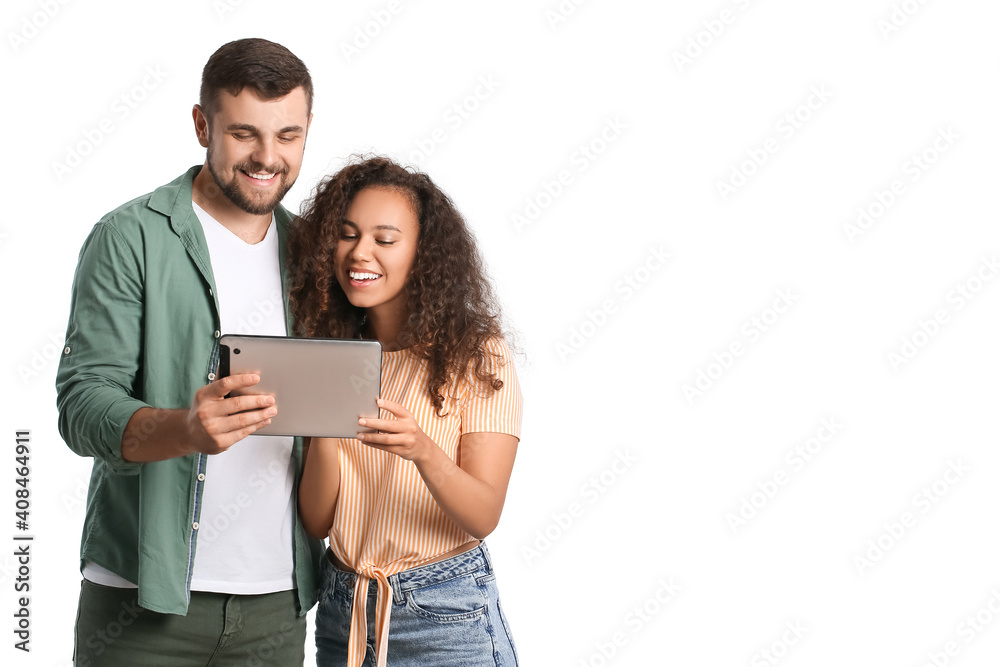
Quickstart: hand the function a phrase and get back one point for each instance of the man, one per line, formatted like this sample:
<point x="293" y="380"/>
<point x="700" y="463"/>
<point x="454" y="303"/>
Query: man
<point x="192" y="547"/>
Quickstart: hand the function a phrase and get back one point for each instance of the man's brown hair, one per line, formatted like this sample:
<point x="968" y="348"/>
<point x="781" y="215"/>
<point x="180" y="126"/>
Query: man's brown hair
<point x="270" y="69"/>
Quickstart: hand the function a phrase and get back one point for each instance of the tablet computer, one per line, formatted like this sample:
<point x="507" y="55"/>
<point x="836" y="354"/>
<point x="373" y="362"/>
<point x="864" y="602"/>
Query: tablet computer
<point x="321" y="386"/>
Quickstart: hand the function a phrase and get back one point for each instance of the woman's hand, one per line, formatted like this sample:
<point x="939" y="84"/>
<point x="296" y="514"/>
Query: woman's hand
<point x="471" y="494"/>
<point x="401" y="436"/>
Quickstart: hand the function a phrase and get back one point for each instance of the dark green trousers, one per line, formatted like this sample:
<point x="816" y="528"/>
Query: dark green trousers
<point x="220" y="630"/>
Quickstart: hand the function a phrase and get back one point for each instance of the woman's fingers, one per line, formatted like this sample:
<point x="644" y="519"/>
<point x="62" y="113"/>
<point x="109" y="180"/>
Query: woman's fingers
<point x="395" y="408"/>
<point x="393" y="425"/>
<point x="377" y="438"/>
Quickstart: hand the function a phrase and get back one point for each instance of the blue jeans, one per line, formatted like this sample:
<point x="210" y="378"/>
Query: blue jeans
<point x="444" y="613"/>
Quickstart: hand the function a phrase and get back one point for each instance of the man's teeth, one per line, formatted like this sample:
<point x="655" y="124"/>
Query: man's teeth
<point x="363" y="276"/>
<point x="261" y="176"/>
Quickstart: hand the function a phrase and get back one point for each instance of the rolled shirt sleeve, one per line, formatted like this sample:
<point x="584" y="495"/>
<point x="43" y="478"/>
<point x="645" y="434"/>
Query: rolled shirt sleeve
<point x="97" y="376"/>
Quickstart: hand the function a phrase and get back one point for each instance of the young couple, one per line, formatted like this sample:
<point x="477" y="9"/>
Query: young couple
<point x="202" y="542"/>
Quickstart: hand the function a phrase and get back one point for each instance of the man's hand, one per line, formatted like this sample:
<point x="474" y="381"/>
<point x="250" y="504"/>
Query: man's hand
<point x="212" y="425"/>
<point x="215" y="423"/>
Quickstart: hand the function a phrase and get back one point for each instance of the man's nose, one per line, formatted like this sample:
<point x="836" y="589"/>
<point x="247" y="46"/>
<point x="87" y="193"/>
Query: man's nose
<point x="265" y="152"/>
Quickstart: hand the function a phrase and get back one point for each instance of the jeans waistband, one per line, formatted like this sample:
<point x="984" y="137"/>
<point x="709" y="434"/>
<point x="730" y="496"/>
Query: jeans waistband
<point x="477" y="558"/>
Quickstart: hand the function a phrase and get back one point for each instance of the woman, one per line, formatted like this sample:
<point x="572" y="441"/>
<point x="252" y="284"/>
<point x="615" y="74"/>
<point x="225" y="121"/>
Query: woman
<point x="382" y="253"/>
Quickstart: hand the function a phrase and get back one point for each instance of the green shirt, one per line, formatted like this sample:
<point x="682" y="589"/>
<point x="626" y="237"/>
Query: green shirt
<point x="143" y="332"/>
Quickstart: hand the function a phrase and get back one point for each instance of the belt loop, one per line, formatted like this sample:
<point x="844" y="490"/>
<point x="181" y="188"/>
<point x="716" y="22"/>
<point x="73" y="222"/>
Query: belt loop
<point x="486" y="555"/>
<point x="397" y="592"/>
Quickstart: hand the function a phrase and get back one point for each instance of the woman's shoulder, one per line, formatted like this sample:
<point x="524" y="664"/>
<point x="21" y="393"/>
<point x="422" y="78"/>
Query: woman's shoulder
<point x="497" y="353"/>
<point x="497" y="345"/>
<point x="495" y="362"/>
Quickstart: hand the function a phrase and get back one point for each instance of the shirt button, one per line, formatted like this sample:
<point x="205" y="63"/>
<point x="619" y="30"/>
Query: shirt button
<point x="211" y="377"/>
<point x="201" y="477"/>
<point x="210" y="292"/>
<point x="217" y="334"/>
<point x="195" y="525"/>
<point x="66" y="351"/>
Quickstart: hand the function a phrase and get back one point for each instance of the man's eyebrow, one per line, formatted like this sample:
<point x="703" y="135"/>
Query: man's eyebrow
<point x="252" y="128"/>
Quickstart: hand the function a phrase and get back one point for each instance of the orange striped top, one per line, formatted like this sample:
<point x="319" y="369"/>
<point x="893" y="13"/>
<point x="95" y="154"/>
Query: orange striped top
<point x="386" y="520"/>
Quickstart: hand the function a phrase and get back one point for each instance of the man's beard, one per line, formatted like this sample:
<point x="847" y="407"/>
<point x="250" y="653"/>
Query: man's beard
<point x="239" y="197"/>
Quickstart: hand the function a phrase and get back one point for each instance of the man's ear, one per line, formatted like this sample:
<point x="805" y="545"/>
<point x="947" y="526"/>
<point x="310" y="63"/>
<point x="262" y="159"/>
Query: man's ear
<point x="200" y="125"/>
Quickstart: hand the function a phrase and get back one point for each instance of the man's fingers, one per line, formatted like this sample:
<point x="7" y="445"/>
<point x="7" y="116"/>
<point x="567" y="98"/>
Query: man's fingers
<point x="242" y="420"/>
<point x="250" y="430"/>
<point x="213" y="412"/>
<point x="225" y="425"/>
<point x="218" y="422"/>
<point x="248" y="402"/>
<point x="223" y="386"/>
<point x="257" y="416"/>
<point x="224" y="442"/>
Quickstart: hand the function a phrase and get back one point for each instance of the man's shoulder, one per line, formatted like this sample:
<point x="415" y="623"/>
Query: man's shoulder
<point x="129" y="212"/>
<point x="153" y="208"/>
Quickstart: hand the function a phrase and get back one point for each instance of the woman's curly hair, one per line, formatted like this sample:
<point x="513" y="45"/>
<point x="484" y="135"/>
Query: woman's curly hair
<point x="453" y="311"/>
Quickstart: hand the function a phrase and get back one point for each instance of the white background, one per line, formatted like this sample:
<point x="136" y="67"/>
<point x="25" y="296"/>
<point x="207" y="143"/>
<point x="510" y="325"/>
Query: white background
<point x="623" y="481"/>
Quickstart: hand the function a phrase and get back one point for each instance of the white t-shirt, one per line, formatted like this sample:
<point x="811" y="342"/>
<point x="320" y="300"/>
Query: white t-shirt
<point x="244" y="541"/>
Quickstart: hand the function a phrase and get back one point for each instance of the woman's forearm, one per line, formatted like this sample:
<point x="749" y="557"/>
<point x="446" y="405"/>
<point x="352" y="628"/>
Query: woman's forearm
<point x="320" y="486"/>
<point x="471" y="494"/>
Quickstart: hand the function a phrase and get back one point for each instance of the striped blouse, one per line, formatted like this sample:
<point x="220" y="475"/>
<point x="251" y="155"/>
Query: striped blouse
<point x="386" y="520"/>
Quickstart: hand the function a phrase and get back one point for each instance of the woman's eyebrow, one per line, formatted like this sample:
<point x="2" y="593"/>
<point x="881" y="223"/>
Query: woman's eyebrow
<point x="378" y="228"/>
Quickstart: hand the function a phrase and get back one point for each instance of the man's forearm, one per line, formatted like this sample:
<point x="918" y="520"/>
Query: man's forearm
<point x="212" y="425"/>
<point x="155" y="434"/>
